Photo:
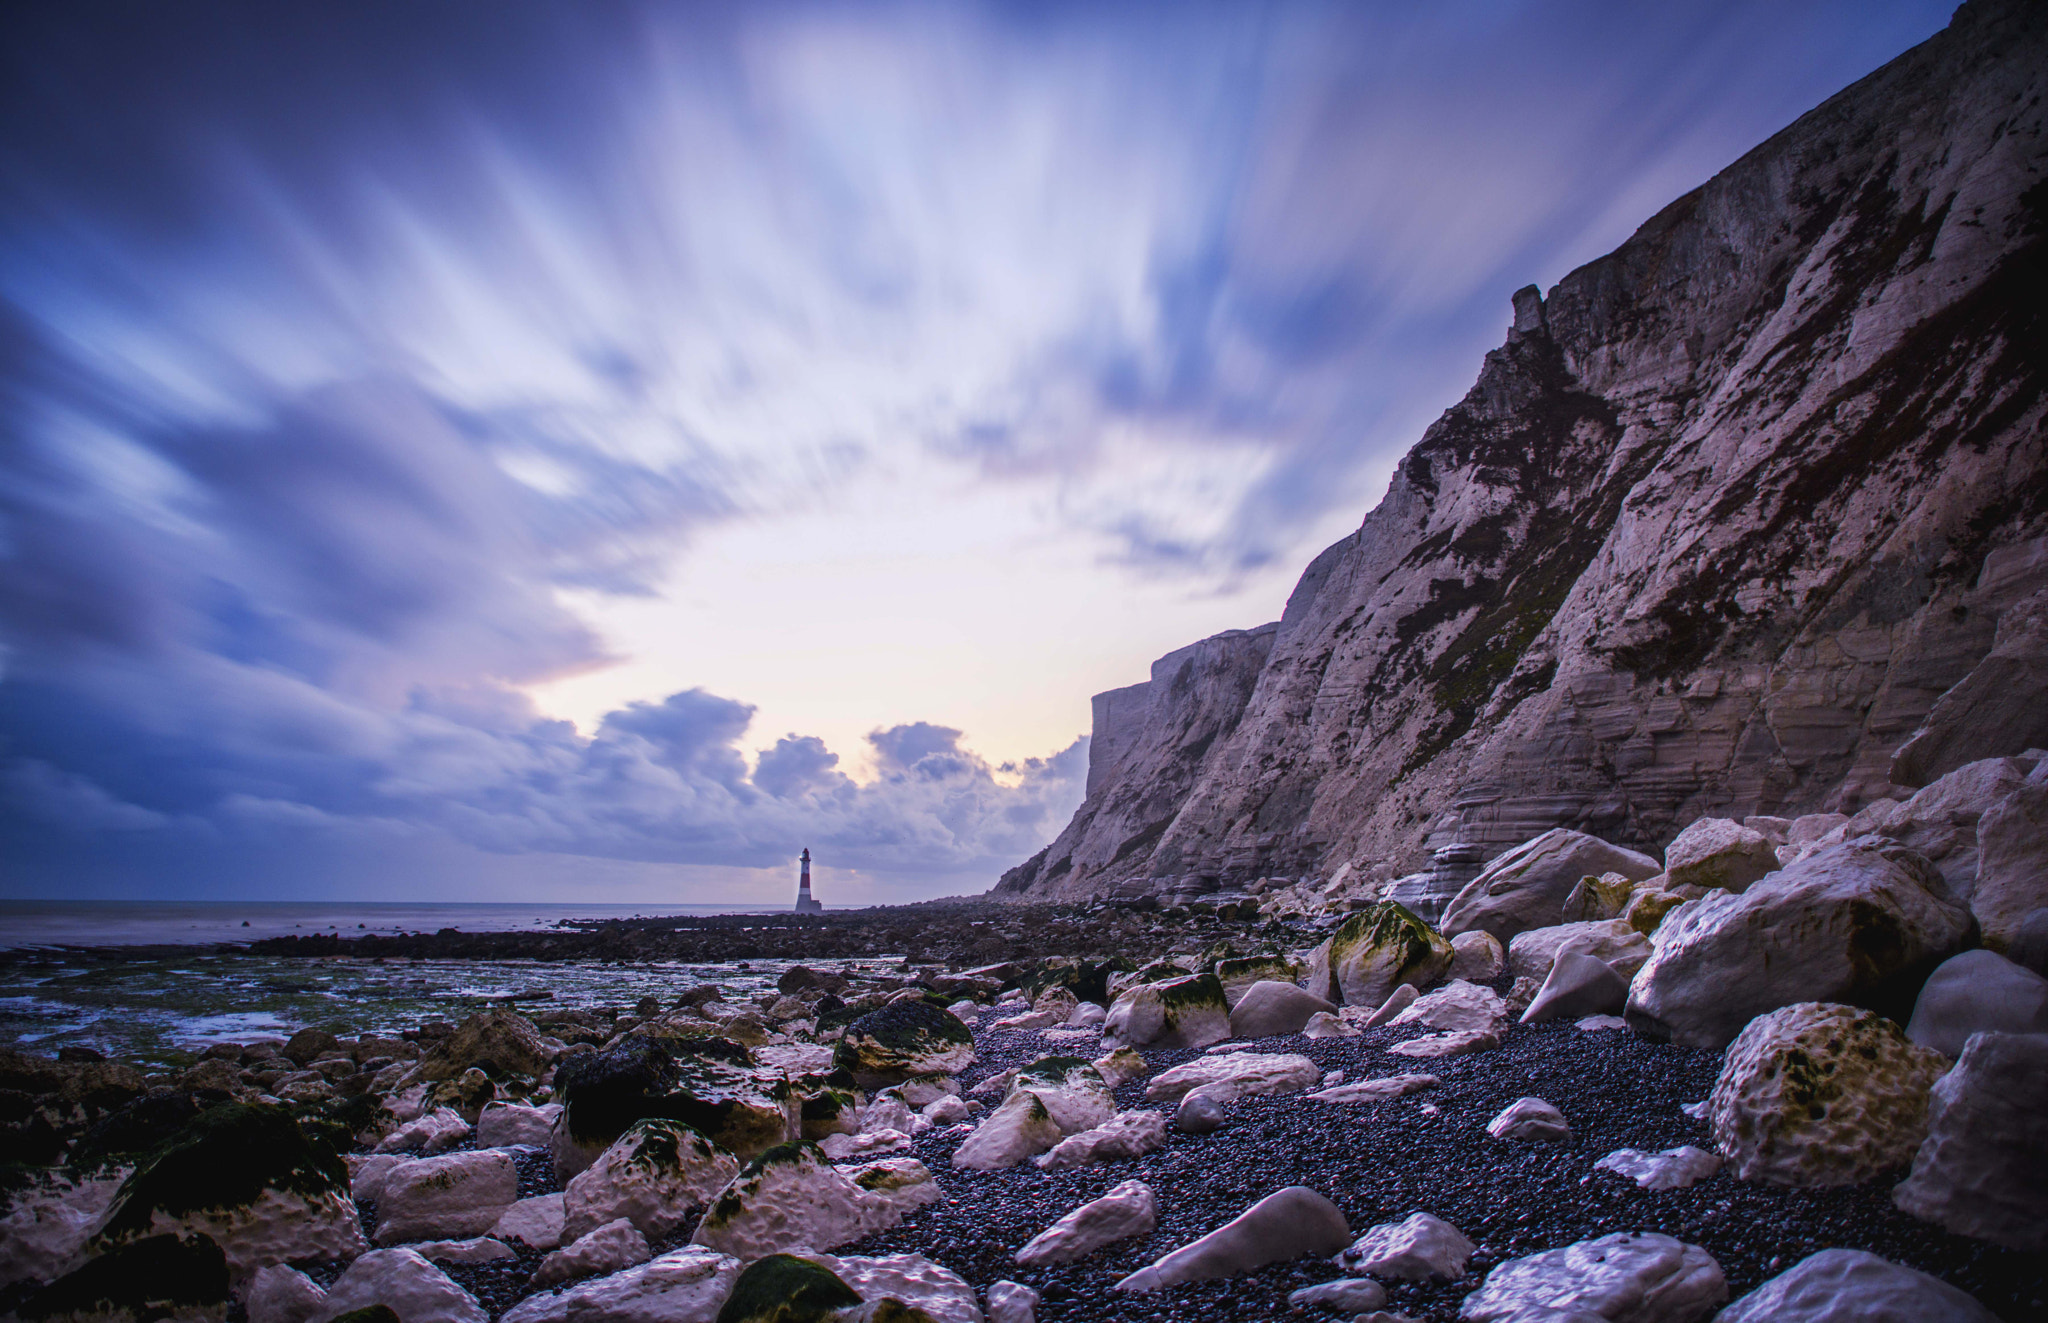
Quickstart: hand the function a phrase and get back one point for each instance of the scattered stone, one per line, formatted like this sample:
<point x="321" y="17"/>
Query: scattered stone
<point x="1125" y="1135"/>
<point x="413" y="1289"/>
<point x="1179" y="1013"/>
<point x="1353" y="1295"/>
<point x="1594" y="1023"/>
<point x="1478" y="956"/>
<point x="1526" y="887"/>
<point x="1603" y="897"/>
<point x="1238" y="1075"/>
<point x="1530" y="1118"/>
<point x="1284" y="1225"/>
<point x="1127" y="1210"/>
<point x="502" y="1124"/>
<point x="451" y="1196"/>
<point x="1121" y="1066"/>
<point x="1851" y="923"/>
<point x="1268" y="1009"/>
<point x="1399" y="1000"/>
<point x="848" y="1148"/>
<point x="1012" y="1302"/>
<point x="1022" y="1127"/>
<point x="1719" y="853"/>
<point x="1977" y="992"/>
<point x="1325" y="1025"/>
<point x="1851" y="1286"/>
<point x="948" y="1110"/>
<point x="654" y="1176"/>
<point x="904" y="1184"/>
<point x="1379" y="1090"/>
<point x="1983" y="1169"/>
<point x="1240" y="974"/>
<point x="1374" y="951"/>
<point x="1629" y="1277"/>
<point x="497" y="1042"/>
<point x="928" y="1289"/>
<point x="1423" y="1248"/>
<point x="791" y="1196"/>
<point x="686" y="1285"/>
<point x="1821" y="1094"/>
<point x="433" y="1132"/>
<point x="535" y="1223"/>
<point x="477" y="1249"/>
<point x="1533" y="953"/>
<point x="1458" y="1007"/>
<point x="615" y="1245"/>
<point x="1579" y="985"/>
<point x="709" y="1084"/>
<point x="1447" y="1045"/>
<point x="1672" y="1169"/>
<point x="1199" y="1114"/>
<point x="902" y="1039"/>
<point x="277" y="1294"/>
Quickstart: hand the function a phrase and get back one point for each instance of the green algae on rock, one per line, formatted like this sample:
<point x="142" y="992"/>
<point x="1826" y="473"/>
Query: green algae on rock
<point x="902" y="1039"/>
<point x="1375" y="951"/>
<point x="782" y="1288"/>
<point x="159" y="1277"/>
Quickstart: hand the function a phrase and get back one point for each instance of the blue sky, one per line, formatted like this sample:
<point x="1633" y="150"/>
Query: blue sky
<point x="591" y="451"/>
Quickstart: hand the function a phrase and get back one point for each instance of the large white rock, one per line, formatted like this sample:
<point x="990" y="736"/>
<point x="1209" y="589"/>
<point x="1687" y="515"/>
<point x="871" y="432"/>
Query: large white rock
<point x="607" y="1249"/>
<point x="1851" y="1286"/>
<point x="1120" y="1066"/>
<point x="1629" y="1277"/>
<point x="366" y="1173"/>
<point x="1579" y="985"/>
<point x="1821" y="1094"/>
<point x="910" y="1278"/>
<point x="1942" y="820"/>
<point x="277" y="1294"/>
<point x="854" y="1148"/>
<point x="1421" y="1248"/>
<point x="1477" y="956"/>
<point x="1974" y="993"/>
<point x="535" y="1222"/>
<point x="1721" y="853"/>
<point x="1532" y="953"/>
<point x="2012" y="860"/>
<point x="1400" y="999"/>
<point x="1127" y="1210"/>
<point x="1526" y="887"/>
<point x="503" y="1123"/>
<point x="1236" y="1075"/>
<point x="904" y="1184"/>
<point x="1983" y="1168"/>
<point x="1268" y="1009"/>
<point x="434" y="1132"/>
<point x="1529" y="1118"/>
<point x="1184" y="1012"/>
<point x="1074" y="1092"/>
<point x="1125" y="1135"/>
<point x="1284" y="1225"/>
<point x="44" y="1233"/>
<point x="1671" y="1169"/>
<point x="1021" y="1128"/>
<point x="1458" y="1007"/>
<point x="687" y="1285"/>
<point x="791" y="1196"/>
<point x="445" y="1198"/>
<point x="412" y="1288"/>
<point x="1373" y="952"/>
<point x="1842" y="925"/>
<point x="654" y="1176"/>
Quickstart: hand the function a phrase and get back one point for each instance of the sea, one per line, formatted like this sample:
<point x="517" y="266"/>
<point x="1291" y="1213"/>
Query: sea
<point x="166" y="1009"/>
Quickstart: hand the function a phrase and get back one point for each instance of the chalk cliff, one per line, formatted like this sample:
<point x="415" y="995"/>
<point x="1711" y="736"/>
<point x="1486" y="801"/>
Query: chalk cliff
<point x="1728" y="512"/>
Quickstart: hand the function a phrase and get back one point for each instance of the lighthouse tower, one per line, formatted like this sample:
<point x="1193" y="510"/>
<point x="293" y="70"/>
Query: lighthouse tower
<point x="804" y="903"/>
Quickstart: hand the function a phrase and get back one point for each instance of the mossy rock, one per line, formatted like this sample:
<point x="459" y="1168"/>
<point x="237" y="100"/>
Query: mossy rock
<point x="226" y="1158"/>
<point x="502" y="1044"/>
<point x="1159" y="971"/>
<point x="1088" y="980"/>
<point x="891" y="1310"/>
<point x="738" y="1108"/>
<point x="139" y="1128"/>
<point x="902" y="1039"/>
<point x="782" y="1288"/>
<point x="153" y="1278"/>
<point x="1373" y="952"/>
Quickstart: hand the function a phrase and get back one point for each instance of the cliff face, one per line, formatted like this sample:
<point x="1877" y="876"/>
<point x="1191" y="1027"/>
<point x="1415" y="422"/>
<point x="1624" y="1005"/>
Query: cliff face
<point x="1718" y="523"/>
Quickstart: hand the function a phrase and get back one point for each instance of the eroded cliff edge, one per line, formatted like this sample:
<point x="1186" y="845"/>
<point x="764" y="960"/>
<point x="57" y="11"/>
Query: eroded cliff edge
<point x="1716" y="526"/>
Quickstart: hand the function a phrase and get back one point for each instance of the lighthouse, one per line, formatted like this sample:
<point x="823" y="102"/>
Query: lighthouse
<point x="804" y="903"/>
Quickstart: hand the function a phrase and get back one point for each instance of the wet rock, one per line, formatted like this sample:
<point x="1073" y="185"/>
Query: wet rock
<point x="1478" y="956"/>
<point x="2012" y="861"/>
<point x="1199" y="1114"/>
<point x="1526" y="887"/>
<point x="708" y="1084"/>
<point x="277" y="1294"/>
<point x="1266" y="1009"/>
<point x="1129" y="1209"/>
<point x="500" y="1043"/>
<point x="1719" y="853"/>
<point x="1421" y="1248"/>
<point x="1284" y="1225"/>
<point x="1530" y="1118"/>
<point x="687" y="1285"/>
<point x="783" y="1288"/>
<point x="904" y="1184"/>
<point x="1457" y="1007"/>
<point x="454" y="1195"/>
<point x="303" y="1046"/>
<point x="536" y="1222"/>
<point x="654" y="1176"/>
<point x="791" y="1196"/>
<point x="1184" y="1012"/>
<point x="407" y="1284"/>
<point x="1983" y="1169"/>
<point x="1579" y="985"/>
<point x="1614" y="941"/>
<point x="1379" y="1090"/>
<point x="1672" y="1169"/>
<point x="844" y="1148"/>
<point x="1073" y="1091"/>
<point x="157" y="1277"/>
<point x="246" y="1178"/>
<point x="607" y="1249"/>
<point x="1629" y="1277"/>
<point x="1821" y="1094"/>
<point x="504" y="1123"/>
<point x="902" y="1039"/>
<point x="432" y="1132"/>
<point x="1125" y="1135"/>
<point x="44" y="1233"/>
<point x="1020" y="1128"/>
<point x="1862" y="922"/>
<point x="1374" y="951"/>
<point x="914" y="1280"/>
<point x="1346" y="1296"/>
<point x="1852" y="1286"/>
<point x="1012" y="1302"/>
<point x="1236" y="1075"/>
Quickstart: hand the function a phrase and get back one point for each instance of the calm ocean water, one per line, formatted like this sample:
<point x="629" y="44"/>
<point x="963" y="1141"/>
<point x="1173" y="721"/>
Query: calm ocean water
<point x="165" y="1011"/>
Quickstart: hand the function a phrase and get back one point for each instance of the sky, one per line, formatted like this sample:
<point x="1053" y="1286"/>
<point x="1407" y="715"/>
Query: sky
<point x="591" y="451"/>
